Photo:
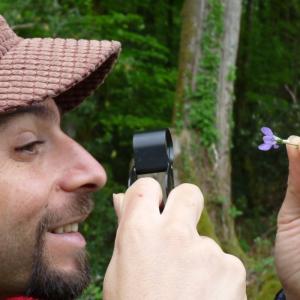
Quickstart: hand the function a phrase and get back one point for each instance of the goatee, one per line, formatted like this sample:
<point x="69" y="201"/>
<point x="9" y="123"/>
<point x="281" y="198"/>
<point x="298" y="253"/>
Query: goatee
<point x="47" y="283"/>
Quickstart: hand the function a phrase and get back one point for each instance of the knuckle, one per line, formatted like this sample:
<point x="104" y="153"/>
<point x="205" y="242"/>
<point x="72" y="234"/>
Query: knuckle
<point x="192" y="202"/>
<point x="191" y="188"/>
<point x="192" y="193"/>
<point x="210" y="245"/>
<point x="236" y="265"/>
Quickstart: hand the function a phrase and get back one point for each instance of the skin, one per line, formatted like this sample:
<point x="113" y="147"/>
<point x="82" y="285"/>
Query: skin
<point x="161" y="256"/>
<point x="36" y="180"/>
<point x="287" y="245"/>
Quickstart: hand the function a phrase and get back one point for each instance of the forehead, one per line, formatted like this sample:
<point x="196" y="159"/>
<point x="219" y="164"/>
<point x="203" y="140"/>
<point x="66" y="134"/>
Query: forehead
<point x="46" y="110"/>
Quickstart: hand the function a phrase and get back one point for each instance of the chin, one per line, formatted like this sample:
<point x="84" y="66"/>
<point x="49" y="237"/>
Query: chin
<point x="59" y="278"/>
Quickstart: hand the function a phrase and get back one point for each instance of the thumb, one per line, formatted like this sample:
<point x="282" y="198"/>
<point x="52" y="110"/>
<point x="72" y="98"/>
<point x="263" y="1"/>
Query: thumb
<point x="118" y="204"/>
<point x="291" y="204"/>
<point x="293" y="148"/>
<point x="293" y="152"/>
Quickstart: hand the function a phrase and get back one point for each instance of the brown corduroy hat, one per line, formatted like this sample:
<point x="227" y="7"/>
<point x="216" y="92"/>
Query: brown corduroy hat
<point x="66" y="70"/>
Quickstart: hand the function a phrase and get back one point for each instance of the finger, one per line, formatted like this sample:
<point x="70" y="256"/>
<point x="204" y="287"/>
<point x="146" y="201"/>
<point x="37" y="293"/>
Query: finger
<point x="292" y="150"/>
<point x="118" y="200"/>
<point x="184" y="205"/>
<point x="143" y="197"/>
<point x="291" y="203"/>
<point x="294" y="161"/>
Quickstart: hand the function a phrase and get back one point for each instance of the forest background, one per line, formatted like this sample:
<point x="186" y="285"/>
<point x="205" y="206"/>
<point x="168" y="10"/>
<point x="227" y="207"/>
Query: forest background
<point x="176" y="71"/>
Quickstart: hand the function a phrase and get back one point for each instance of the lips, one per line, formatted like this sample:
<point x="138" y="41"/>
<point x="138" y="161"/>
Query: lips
<point x="61" y="240"/>
<point x="67" y="233"/>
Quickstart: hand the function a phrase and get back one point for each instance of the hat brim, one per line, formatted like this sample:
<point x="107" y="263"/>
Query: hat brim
<point x="67" y="70"/>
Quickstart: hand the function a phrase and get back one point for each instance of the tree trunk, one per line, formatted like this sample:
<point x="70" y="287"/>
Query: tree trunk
<point x="204" y="97"/>
<point x="193" y="16"/>
<point x="224" y="107"/>
<point x="189" y="56"/>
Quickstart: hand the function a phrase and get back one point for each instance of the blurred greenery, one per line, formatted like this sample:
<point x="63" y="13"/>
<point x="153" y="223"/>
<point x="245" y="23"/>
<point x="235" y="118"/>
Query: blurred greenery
<point x="139" y="95"/>
<point x="267" y="86"/>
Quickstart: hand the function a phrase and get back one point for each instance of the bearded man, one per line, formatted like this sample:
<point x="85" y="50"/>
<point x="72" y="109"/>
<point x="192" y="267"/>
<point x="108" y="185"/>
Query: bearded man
<point x="46" y="182"/>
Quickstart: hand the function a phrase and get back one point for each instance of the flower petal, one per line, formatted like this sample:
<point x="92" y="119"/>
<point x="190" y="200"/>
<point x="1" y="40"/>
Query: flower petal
<point x="269" y="139"/>
<point x="266" y="131"/>
<point x="275" y="146"/>
<point x="265" y="147"/>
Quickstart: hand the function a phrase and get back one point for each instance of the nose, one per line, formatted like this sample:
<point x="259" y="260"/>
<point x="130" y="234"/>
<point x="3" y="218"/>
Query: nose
<point x="80" y="169"/>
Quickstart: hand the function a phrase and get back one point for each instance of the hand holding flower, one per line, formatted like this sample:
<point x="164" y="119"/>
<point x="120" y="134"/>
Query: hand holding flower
<point x="287" y="255"/>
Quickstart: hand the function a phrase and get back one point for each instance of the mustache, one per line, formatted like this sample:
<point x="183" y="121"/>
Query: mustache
<point x="80" y="204"/>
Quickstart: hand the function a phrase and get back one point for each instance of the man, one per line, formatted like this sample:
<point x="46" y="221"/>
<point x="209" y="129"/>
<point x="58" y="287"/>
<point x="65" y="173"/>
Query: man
<point x="47" y="179"/>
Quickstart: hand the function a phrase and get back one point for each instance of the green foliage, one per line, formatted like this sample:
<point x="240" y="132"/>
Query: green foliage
<point x="268" y="67"/>
<point x="231" y="77"/>
<point x="269" y="289"/>
<point x="219" y="199"/>
<point x="235" y="212"/>
<point x="93" y="292"/>
<point x="206" y="226"/>
<point x="203" y="100"/>
<point x="261" y="265"/>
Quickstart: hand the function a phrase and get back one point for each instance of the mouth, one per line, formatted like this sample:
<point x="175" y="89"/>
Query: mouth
<point x="68" y="228"/>
<point x="68" y="233"/>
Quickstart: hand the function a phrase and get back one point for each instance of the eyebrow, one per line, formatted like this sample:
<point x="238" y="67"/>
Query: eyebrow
<point x="38" y="110"/>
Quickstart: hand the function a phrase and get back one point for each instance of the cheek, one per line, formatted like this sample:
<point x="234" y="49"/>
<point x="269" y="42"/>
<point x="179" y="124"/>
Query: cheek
<point x="23" y="202"/>
<point x="23" y="199"/>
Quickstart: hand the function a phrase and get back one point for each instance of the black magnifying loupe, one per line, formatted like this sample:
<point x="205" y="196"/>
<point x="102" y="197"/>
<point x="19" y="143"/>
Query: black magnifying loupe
<point x="153" y="153"/>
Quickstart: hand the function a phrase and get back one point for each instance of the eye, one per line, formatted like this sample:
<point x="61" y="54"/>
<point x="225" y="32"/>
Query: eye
<point x="30" y="148"/>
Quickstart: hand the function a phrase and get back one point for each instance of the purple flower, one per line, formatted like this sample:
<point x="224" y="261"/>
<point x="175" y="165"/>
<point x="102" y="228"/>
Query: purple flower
<point x="270" y="140"/>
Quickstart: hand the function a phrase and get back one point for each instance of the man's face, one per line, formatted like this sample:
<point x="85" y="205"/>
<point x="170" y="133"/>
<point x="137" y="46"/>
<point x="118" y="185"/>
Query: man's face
<point x="45" y="182"/>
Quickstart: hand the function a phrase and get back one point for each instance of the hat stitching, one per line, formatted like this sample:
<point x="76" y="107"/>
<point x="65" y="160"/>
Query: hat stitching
<point x="33" y="69"/>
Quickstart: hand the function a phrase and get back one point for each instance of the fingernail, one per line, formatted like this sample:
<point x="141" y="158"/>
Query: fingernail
<point x="294" y="138"/>
<point x="116" y="196"/>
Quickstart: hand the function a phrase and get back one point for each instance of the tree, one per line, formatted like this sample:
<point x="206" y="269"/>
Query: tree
<point x="203" y="107"/>
<point x="224" y="107"/>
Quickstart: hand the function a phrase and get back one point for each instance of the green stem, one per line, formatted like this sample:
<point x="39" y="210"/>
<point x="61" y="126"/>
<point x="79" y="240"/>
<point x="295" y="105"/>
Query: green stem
<point x="288" y="143"/>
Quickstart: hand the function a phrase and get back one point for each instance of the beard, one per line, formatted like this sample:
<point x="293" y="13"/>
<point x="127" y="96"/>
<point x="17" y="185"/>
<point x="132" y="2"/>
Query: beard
<point x="46" y="283"/>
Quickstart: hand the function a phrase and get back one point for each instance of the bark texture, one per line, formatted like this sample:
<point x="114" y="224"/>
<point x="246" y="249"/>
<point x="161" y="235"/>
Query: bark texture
<point x="210" y="168"/>
<point x="224" y="107"/>
<point x="193" y="14"/>
<point x="186" y="168"/>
